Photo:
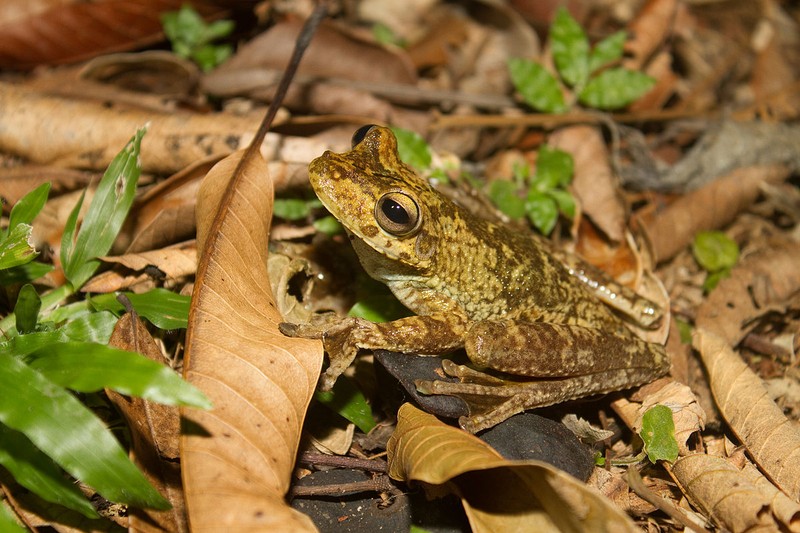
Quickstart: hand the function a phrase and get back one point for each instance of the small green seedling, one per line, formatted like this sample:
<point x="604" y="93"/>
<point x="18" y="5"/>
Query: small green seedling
<point x="192" y="38"/>
<point x="540" y="196"/>
<point x="716" y="253"/>
<point x="658" y="434"/>
<point x="583" y="69"/>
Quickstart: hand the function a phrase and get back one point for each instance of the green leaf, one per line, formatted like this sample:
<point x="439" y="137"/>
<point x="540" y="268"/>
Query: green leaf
<point x="165" y="309"/>
<point x="112" y="200"/>
<point x="384" y="35"/>
<point x="28" y="207"/>
<point x="94" y="327"/>
<point x="24" y="273"/>
<point x="658" y="434"/>
<point x="328" y="225"/>
<point x="412" y="148"/>
<point x="542" y="211"/>
<point x="27" y="309"/>
<point x="505" y="196"/>
<point x="16" y="249"/>
<point x="375" y="302"/>
<point x="615" y="88"/>
<point x="59" y="425"/>
<point x="38" y="473"/>
<point x="538" y="88"/>
<point x="608" y="50"/>
<point x="570" y="49"/>
<point x="713" y="279"/>
<point x="346" y="400"/>
<point x="209" y="56"/>
<point x="291" y="208"/>
<point x="715" y="251"/>
<point x="554" y="168"/>
<point x="565" y="202"/>
<point x="8" y="523"/>
<point x="90" y="367"/>
<point x="70" y="227"/>
<point x="217" y="30"/>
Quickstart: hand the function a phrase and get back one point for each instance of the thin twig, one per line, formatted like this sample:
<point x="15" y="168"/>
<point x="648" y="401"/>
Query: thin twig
<point x="378" y="484"/>
<point x="371" y="465"/>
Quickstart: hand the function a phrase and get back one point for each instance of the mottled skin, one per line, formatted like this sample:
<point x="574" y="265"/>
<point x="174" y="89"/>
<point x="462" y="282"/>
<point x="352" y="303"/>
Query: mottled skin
<point x="500" y="294"/>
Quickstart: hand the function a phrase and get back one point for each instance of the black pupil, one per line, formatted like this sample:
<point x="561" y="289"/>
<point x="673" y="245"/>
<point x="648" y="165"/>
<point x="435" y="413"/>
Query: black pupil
<point x="359" y="135"/>
<point x="395" y="212"/>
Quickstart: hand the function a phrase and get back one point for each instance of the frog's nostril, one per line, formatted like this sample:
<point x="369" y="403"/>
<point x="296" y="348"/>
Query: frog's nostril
<point x="359" y="135"/>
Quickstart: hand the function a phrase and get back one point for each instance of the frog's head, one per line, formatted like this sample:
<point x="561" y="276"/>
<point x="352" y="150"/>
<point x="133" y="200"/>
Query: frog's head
<point x="381" y="201"/>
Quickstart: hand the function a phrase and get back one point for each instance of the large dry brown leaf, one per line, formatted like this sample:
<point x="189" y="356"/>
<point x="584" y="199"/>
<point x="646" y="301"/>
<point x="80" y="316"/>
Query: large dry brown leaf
<point x="497" y="494"/>
<point x="60" y="32"/>
<point x="238" y="457"/>
<point x="762" y="280"/>
<point x="731" y="497"/>
<point x="710" y="207"/>
<point x="772" y="439"/>
<point x="155" y="430"/>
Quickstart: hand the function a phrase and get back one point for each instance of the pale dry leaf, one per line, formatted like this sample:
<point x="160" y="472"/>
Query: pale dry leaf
<point x="155" y="431"/>
<point x="772" y="439"/>
<point x="687" y="414"/>
<point x="16" y="182"/>
<point x="653" y="25"/>
<point x="724" y="493"/>
<point x="174" y="261"/>
<point x="594" y="183"/>
<point x="785" y="511"/>
<point x="497" y="494"/>
<point x="237" y="463"/>
<point x="114" y="280"/>
<point x="761" y="280"/>
<point x="710" y="207"/>
<point x="88" y="134"/>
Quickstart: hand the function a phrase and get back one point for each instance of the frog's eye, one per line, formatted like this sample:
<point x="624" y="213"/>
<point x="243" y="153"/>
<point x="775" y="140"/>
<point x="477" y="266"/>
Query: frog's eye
<point x="397" y="213"/>
<point x="359" y="135"/>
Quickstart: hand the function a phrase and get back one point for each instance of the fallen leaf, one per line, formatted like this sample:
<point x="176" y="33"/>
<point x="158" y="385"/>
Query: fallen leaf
<point x="498" y="494"/>
<point x="238" y="457"/>
<point x="772" y="440"/>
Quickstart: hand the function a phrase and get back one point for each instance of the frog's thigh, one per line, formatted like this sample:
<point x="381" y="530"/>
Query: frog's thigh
<point x="541" y="349"/>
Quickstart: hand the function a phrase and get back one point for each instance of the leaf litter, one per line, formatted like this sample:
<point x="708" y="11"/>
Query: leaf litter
<point x="687" y="170"/>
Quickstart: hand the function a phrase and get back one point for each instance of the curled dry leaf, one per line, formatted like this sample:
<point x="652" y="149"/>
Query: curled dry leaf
<point x="651" y="27"/>
<point x="237" y="462"/>
<point x="497" y="494"/>
<point x="772" y="439"/>
<point x="593" y="184"/>
<point x="155" y="430"/>
<point x="16" y="182"/>
<point x="762" y="280"/>
<point x="731" y="497"/>
<point x="710" y="207"/>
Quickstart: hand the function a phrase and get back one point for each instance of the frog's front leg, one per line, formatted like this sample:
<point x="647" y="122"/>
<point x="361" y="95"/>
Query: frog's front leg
<point x="342" y="338"/>
<point x="560" y="362"/>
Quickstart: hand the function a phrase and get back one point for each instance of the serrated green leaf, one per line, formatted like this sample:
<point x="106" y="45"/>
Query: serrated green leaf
<point x="38" y="473"/>
<point x="90" y="367"/>
<point x="164" y="309"/>
<point x="538" y="88"/>
<point x="615" y="88"/>
<point x="16" y="249"/>
<point x="715" y="251"/>
<point x="554" y="168"/>
<point x="106" y="214"/>
<point x="27" y="309"/>
<point x="542" y="211"/>
<point x="412" y="148"/>
<point x="607" y="51"/>
<point x="505" y="196"/>
<point x="28" y="207"/>
<point x="349" y="402"/>
<point x="565" y="202"/>
<point x="217" y="30"/>
<point x="59" y="425"/>
<point x="328" y="225"/>
<point x="658" y="434"/>
<point x="291" y="208"/>
<point x="570" y="49"/>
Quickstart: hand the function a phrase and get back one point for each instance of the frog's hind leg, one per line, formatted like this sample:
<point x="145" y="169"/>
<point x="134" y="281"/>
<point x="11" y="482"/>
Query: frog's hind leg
<point x="492" y="400"/>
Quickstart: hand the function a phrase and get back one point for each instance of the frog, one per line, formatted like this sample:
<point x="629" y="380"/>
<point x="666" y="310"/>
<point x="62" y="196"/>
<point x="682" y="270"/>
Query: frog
<point x="534" y="321"/>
